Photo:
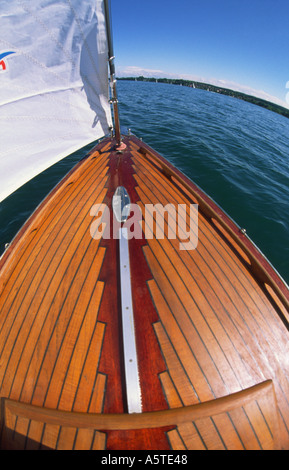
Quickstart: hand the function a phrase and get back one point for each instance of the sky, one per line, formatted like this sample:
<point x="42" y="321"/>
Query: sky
<point x="237" y="44"/>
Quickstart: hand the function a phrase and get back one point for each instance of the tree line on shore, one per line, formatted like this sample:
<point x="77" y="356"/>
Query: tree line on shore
<point x="216" y="89"/>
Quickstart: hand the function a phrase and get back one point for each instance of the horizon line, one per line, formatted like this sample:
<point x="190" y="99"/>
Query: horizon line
<point x="135" y="72"/>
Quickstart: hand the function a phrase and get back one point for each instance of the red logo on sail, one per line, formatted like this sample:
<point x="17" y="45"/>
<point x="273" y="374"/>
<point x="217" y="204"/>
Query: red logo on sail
<point x="3" y="65"/>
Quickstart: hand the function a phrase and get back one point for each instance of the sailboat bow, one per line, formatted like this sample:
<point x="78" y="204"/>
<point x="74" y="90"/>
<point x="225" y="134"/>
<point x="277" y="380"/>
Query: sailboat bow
<point x="135" y="314"/>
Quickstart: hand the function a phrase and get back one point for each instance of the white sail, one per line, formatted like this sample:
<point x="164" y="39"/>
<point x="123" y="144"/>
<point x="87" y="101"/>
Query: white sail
<point x="53" y="84"/>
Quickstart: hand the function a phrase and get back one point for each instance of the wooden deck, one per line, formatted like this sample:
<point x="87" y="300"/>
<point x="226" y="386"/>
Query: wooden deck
<point x="211" y="323"/>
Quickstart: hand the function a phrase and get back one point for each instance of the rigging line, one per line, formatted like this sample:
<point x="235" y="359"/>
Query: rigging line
<point x="110" y="16"/>
<point x="114" y="99"/>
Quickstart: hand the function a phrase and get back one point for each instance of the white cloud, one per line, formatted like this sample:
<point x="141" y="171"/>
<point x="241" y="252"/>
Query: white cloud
<point x="287" y="95"/>
<point x="134" y="71"/>
<point x="248" y="90"/>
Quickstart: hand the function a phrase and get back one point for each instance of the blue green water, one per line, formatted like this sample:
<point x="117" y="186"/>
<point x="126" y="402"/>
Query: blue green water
<point x="237" y="152"/>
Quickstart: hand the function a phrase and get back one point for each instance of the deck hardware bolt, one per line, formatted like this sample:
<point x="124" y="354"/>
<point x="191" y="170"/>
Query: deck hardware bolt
<point x="243" y="230"/>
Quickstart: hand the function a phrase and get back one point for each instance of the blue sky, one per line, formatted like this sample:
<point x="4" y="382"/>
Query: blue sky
<point x="239" y="44"/>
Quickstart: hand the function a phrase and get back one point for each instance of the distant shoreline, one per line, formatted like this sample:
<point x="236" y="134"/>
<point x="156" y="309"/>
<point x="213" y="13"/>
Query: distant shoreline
<point x="216" y="89"/>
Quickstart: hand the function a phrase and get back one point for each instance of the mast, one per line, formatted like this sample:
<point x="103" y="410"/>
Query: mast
<point x="111" y="57"/>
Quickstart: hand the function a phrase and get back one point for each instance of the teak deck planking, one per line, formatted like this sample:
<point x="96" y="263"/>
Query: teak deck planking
<point x="211" y="324"/>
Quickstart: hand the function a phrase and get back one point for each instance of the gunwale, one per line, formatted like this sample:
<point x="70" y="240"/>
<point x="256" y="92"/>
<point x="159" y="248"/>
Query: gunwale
<point x="209" y="323"/>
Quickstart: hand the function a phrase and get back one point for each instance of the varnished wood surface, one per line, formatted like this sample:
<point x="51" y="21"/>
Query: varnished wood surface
<point x="209" y="323"/>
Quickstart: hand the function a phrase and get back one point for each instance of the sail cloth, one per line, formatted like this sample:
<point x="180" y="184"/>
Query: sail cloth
<point x="53" y="84"/>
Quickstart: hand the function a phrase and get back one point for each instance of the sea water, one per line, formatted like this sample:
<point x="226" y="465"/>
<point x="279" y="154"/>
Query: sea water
<point x="237" y="152"/>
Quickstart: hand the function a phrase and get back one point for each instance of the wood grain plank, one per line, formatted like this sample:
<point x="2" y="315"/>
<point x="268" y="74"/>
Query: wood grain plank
<point x="188" y="432"/>
<point x="44" y="297"/>
<point x="245" y="429"/>
<point x="70" y="361"/>
<point x="95" y="440"/>
<point x="211" y="436"/>
<point x="181" y="364"/>
<point x="32" y="285"/>
<point x="51" y="231"/>
<point x="191" y="437"/>
<point x="40" y="228"/>
<point x="203" y="316"/>
<point x="261" y="425"/>
<point x="180" y="329"/>
<point x="170" y="391"/>
<point x="259" y="266"/>
<point x="243" y="324"/>
<point x="209" y="232"/>
<point x="99" y="442"/>
<point x="176" y="441"/>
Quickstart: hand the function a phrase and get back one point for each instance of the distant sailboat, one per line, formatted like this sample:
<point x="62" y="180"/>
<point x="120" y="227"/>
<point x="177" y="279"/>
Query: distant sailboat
<point x="134" y="313"/>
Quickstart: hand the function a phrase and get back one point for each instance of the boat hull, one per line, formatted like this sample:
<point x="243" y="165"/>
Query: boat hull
<point x="210" y="319"/>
